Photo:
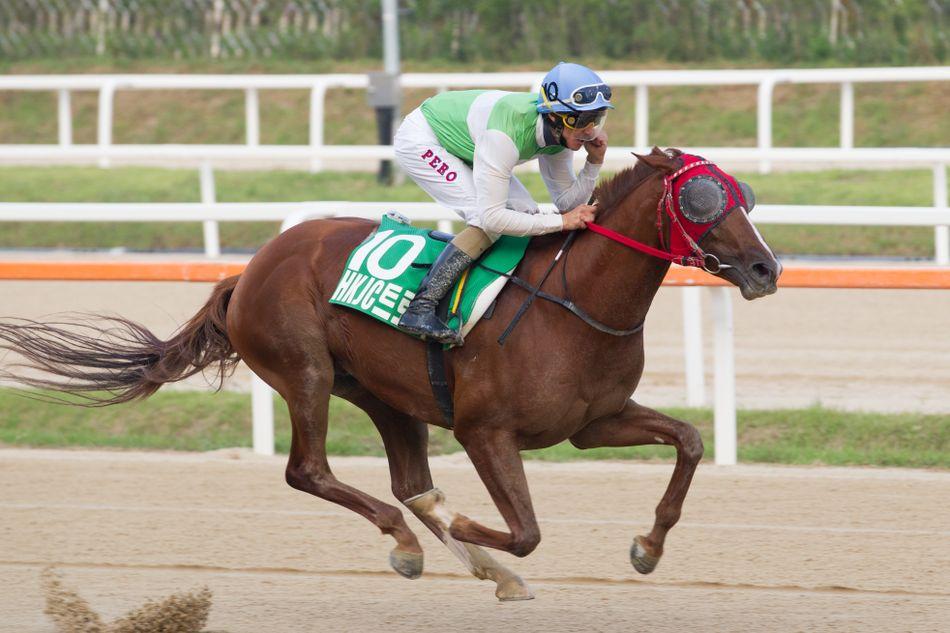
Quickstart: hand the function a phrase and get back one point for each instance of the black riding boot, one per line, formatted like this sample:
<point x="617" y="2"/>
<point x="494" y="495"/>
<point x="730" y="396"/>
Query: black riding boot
<point x="420" y="318"/>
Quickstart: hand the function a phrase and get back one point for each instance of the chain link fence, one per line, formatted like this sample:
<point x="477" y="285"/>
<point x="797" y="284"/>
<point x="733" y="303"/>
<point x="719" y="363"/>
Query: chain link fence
<point x="850" y="31"/>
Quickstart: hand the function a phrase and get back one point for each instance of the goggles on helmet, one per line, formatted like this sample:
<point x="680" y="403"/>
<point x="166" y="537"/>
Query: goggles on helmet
<point x="588" y="94"/>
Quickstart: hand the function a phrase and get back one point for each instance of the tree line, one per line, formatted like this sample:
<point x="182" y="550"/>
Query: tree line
<point x="861" y="32"/>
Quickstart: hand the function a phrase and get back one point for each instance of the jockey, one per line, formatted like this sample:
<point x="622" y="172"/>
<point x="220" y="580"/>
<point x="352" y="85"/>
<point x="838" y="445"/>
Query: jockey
<point x="461" y="148"/>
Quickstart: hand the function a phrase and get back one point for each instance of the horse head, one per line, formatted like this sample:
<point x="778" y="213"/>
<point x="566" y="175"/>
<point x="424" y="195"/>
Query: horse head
<point x="703" y="220"/>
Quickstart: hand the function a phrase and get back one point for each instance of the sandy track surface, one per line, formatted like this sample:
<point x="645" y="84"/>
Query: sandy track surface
<point x="883" y="350"/>
<point x="758" y="549"/>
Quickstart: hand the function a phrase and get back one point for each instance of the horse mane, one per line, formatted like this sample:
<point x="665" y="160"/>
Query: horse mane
<point x="610" y="193"/>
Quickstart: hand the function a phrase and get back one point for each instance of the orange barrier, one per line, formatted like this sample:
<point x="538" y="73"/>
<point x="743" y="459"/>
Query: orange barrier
<point x="119" y="271"/>
<point x="206" y="271"/>
<point x="830" y="277"/>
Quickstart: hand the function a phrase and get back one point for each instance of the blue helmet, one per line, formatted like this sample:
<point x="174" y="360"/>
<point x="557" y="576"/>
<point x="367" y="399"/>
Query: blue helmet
<point x="573" y="88"/>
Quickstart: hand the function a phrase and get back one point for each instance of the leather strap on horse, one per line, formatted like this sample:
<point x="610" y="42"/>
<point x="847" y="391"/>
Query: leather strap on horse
<point x="566" y="303"/>
<point x="435" y="359"/>
<point x="573" y="307"/>
<point x="535" y="291"/>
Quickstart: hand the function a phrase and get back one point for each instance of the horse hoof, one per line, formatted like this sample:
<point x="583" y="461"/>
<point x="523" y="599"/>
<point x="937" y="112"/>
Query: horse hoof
<point x="407" y="564"/>
<point x="512" y="589"/>
<point x="641" y="558"/>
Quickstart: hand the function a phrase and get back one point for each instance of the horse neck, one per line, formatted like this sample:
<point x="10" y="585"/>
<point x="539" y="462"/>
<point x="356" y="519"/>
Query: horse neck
<point x="614" y="283"/>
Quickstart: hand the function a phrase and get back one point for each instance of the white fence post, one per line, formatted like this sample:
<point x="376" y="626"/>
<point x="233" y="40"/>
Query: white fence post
<point x="941" y="233"/>
<point x="764" y="122"/>
<point x="106" y="99"/>
<point x="847" y="115"/>
<point x="262" y="415"/>
<point x="209" y="227"/>
<point x="317" y="100"/>
<point x="642" y="117"/>
<point x="724" y="425"/>
<point x="65" y="112"/>
<point x="693" y="346"/>
<point x="252" y="117"/>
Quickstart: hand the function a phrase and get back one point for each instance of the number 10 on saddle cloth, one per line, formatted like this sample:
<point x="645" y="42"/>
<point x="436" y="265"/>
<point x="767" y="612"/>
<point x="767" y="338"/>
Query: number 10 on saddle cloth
<point x="384" y="271"/>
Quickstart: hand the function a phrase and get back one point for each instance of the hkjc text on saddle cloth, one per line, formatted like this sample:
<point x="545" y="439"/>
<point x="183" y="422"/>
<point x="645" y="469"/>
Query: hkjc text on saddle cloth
<point x="384" y="271"/>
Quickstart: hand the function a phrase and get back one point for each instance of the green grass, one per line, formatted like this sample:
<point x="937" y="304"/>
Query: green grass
<point x="88" y="184"/>
<point x="194" y="421"/>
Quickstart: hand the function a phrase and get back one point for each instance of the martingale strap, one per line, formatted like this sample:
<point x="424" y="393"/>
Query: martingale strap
<point x="566" y="303"/>
<point x="577" y="310"/>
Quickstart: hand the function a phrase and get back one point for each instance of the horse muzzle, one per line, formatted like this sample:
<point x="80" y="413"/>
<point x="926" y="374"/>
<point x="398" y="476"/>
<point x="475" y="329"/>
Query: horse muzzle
<point x="758" y="279"/>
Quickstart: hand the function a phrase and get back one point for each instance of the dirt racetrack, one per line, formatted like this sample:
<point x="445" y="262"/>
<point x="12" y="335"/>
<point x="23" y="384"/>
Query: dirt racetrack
<point x="758" y="548"/>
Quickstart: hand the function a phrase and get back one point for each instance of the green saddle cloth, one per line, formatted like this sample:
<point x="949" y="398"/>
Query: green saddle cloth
<point x="384" y="271"/>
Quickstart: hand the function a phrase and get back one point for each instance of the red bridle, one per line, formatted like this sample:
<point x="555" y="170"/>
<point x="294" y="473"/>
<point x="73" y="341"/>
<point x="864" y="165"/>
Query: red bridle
<point x="693" y="255"/>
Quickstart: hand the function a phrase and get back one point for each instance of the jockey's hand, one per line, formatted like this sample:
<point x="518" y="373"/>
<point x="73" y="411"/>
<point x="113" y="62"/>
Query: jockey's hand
<point x="578" y="217"/>
<point x="596" y="147"/>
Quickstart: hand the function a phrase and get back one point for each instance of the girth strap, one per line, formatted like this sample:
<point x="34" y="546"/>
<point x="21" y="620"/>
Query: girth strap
<point x="435" y="359"/>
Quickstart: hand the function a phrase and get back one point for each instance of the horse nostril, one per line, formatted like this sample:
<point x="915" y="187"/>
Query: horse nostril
<point x="764" y="272"/>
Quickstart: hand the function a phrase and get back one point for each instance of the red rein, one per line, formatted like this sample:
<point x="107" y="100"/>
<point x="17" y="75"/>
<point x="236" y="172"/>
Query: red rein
<point x="694" y="256"/>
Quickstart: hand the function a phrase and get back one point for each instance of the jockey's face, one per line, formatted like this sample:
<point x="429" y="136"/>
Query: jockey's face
<point x="574" y="139"/>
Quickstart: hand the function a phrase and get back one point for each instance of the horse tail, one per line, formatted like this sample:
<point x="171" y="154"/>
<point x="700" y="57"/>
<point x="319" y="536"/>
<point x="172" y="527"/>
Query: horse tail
<point x="106" y="360"/>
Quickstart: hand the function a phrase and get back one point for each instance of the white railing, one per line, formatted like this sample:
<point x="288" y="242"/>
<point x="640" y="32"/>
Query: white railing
<point x="936" y="159"/>
<point x="764" y="79"/>
<point x="292" y="213"/>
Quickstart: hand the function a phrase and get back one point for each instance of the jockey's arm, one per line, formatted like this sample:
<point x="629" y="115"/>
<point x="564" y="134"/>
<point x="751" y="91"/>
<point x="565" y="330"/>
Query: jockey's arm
<point x="495" y="158"/>
<point x="567" y="190"/>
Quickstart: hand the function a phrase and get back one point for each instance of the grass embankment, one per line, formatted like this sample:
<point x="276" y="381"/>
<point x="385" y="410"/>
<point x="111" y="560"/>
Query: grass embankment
<point x="87" y="184"/>
<point x="201" y="421"/>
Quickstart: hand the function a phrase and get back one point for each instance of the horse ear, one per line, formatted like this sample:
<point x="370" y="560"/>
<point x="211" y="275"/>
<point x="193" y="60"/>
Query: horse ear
<point x="657" y="159"/>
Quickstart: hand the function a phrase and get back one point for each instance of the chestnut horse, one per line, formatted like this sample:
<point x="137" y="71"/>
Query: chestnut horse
<point x="555" y="379"/>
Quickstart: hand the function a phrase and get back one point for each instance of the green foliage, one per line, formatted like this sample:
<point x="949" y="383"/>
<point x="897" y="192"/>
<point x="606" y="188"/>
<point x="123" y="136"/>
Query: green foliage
<point x="775" y="31"/>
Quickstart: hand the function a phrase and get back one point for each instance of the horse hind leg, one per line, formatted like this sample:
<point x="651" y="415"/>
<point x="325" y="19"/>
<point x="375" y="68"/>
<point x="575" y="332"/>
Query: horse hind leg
<point x="406" y="442"/>
<point x="307" y="392"/>
<point x="430" y="508"/>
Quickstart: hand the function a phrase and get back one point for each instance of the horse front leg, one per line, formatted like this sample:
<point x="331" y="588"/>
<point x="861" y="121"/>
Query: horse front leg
<point x="494" y="453"/>
<point x="637" y="425"/>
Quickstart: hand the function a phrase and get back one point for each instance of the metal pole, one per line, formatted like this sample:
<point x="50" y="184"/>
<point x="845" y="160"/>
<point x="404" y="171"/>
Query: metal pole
<point x="765" y="121"/>
<point x="106" y="94"/>
<point x="65" y="119"/>
<point x="642" y="117"/>
<point x="941" y="233"/>
<point x="317" y="101"/>
<point x="210" y="227"/>
<point x="847" y="115"/>
<point x="262" y="416"/>
<point x="724" y="424"/>
<point x="388" y="117"/>
<point x="693" y="346"/>
<point x="390" y="37"/>
<point x="251" y="116"/>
